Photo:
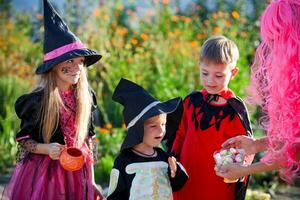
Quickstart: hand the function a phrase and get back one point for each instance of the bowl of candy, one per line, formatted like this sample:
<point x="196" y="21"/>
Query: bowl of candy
<point x="229" y="156"/>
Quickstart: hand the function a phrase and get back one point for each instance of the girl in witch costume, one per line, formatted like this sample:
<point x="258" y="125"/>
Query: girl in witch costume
<point x="275" y="86"/>
<point x="142" y="170"/>
<point x="211" y="116"/>
<point x="56" y="115"/>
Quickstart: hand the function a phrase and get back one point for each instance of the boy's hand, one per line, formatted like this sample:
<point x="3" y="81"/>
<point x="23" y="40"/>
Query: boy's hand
<point x="54" y="150"/>
<point x="241" y="142"/>
<point x="173" y="166"/>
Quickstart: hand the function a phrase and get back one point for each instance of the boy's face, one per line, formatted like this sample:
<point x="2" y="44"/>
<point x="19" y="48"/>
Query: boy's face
<point x="154" y="130"/>
<point x="215" y="77"/>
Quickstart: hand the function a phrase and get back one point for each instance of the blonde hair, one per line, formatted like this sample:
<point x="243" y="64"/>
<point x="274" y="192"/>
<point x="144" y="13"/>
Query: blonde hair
<point x="159" y="117"/>
<point x="52" y="103"/>
<point x="219" y="49"/>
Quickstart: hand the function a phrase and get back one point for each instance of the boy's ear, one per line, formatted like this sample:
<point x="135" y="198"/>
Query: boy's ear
<point x="234" y="72"/>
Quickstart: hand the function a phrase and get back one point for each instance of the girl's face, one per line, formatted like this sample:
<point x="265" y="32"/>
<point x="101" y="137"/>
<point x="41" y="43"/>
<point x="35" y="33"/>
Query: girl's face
<point x="154" y="130"/>
<point x="68" y="72"/>
<point x="215" y="77"/>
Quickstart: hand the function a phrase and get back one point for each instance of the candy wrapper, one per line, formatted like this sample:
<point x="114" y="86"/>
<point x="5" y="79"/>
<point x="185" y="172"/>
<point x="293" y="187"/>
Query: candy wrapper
<point x="229" y="156"/>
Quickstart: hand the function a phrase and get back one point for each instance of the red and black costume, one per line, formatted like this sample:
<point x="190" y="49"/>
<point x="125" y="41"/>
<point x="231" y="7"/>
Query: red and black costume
<point x="203" y="128"/>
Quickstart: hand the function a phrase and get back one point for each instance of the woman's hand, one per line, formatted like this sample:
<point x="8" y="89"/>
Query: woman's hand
<point x="232" y="171"/>
<point x="54" y="150"/>
<point x="97" y="192"/>
<point x="173" y="166"/>
<point x="242" y="142"/>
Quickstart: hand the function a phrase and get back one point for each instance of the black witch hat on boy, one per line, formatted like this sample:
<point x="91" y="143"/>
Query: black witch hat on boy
<point x="139" y="106"/>
<point x="60" y="44"/>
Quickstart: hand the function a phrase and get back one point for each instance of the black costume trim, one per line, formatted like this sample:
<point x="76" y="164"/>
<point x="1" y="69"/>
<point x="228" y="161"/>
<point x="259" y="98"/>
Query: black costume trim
<point x="203" y="113"/>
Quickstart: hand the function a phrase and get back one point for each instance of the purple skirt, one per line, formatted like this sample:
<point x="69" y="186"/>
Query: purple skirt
<point x="39" y="177"/>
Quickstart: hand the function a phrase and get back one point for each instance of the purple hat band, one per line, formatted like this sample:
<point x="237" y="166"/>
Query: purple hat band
<point x="62" y="50"/>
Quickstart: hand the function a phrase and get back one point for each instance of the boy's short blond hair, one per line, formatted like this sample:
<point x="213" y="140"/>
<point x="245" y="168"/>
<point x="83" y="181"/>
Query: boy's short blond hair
<point x="220" y="50"/>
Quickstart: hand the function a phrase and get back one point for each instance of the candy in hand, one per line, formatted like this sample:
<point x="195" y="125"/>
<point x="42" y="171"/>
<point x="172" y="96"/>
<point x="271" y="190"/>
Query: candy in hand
<point x="228" y="156"/>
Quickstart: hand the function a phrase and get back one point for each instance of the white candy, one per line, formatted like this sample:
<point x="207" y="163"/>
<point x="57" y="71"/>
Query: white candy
<point x="223" y="152"/>
<point x="228" y="156"/>
<point x="232" y="150"/>
<point x="218" y="158"/>
<point x="227" y="160"/>
<point x="238" y="159"/>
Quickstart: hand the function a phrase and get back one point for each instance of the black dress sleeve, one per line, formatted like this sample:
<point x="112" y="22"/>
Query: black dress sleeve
<point x="27" y="108"/>
<point x="180" y="178"/>
<point x="117" y="184"/>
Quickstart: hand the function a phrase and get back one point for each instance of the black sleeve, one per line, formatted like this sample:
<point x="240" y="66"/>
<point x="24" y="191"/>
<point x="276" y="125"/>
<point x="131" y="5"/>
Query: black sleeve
<point x="27" y="108"/>
<point x="180" y="178"/>
<point x="93" y="110"/>
<point x="240" y="108"/>
<point x="117" y="183"/>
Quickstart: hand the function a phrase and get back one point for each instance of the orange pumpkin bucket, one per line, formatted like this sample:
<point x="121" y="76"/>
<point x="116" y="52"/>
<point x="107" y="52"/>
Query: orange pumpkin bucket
<point x="71" y="159"/>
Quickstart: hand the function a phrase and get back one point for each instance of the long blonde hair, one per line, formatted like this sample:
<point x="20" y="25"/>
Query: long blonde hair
<point x="52" y="103"/>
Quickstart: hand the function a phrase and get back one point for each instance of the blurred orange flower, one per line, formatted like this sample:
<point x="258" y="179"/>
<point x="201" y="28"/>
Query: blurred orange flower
<point x="201" y="36"/>
<point x="176" y="45"/>
<point x="108" y="125"/>
<point x="96" y="12"/>
<point x="216" y="30"/>
<point x="104" y="130"/>
<point x="166" y="2"/>
<point x="235" y="15"/>
<point x="134" y="41"/>
<point x="130" y="60"/>
<point x="170" y="34"/>
<point x="175" y="18"/>
<point x="144" y="36"/>
<point x="177" y="31"/>
<point x="227" y="23"/>
<point x="122" y="31"/>
<point x="187" y="20"/>
<point x="194" y="44"/>
<point x="243" y="34"/>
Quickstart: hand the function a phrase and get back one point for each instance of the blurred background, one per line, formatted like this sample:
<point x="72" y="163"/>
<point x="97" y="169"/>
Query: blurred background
<point x="155" y="43"/>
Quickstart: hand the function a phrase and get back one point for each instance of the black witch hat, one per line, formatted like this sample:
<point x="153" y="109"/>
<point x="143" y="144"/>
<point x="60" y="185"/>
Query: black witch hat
<point x="139" y="106"/>
<point x="60" y="44"/>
